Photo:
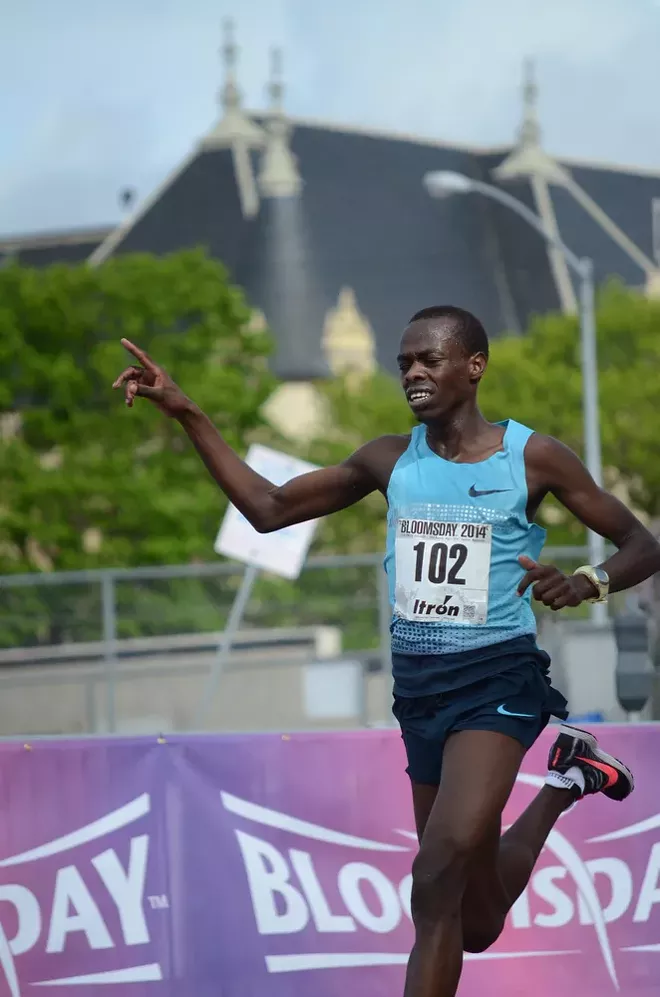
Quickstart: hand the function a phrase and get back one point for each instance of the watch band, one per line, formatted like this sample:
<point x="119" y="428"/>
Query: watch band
<point x="599" y="579"/>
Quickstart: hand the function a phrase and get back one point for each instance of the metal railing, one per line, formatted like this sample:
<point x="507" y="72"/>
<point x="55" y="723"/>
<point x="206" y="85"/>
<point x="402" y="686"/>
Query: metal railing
<point x="108" y="640"/>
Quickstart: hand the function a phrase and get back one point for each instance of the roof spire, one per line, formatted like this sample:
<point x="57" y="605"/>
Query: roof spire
<point x="279" y="176"/>
<point x="529" y="161"/>
<point x="276" y="85"/>
<point x="528" y="157"/>
<point x="230" y="96"/>
<point x="235" y="126"/>
<point x="530" y="131"/>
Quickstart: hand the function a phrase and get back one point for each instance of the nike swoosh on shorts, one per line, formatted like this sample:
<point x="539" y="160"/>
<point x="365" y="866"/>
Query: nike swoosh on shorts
<point x="506" y="713"/>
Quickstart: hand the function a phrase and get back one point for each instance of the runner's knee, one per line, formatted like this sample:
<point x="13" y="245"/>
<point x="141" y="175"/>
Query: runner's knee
<point x="439" y="873"/>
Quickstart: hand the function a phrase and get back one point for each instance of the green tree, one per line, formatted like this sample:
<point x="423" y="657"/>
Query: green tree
<point x="81" y="461"/>
<point x="536" y="379"/>
<point x="86" y="482"/>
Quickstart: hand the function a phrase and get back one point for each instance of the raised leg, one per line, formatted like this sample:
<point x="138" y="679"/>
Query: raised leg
<point x="496" y="870"/>
<point x="500" y="873"/>
<point x="578" y="767"/>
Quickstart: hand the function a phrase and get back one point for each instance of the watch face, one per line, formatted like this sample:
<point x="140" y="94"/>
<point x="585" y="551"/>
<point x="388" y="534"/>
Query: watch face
<point x="602" y="576"/>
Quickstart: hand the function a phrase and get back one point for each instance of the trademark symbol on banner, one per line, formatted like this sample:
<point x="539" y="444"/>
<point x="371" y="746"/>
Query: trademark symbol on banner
<point x="159" y="902"/>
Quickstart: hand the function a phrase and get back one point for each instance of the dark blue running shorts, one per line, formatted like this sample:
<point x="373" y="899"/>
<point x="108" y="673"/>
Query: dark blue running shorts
<point x="517" y="701"/>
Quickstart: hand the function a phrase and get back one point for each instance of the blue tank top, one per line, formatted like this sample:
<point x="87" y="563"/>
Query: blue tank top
<point x="454" y="535"/>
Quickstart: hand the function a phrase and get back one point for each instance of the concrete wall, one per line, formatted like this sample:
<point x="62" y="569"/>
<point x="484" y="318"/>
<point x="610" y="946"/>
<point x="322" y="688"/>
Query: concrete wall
<point x="268" y="683"/>
<point x="285" y="685"/>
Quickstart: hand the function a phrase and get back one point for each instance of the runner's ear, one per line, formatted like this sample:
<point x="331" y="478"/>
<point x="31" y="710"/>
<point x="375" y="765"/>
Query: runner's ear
<point x="477" y="365"/>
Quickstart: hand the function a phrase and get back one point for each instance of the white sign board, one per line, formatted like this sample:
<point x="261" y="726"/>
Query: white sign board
<point x="282" y="552"/>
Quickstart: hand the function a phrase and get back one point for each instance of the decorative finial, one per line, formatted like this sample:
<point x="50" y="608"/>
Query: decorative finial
<point x="530" y="133"/>
<point x="279" y="175"/>
<point x="527" y="158"/>
<point x="276" y="86"/>
<point x="231" y="97"/>
<point x="236" y="129"/>
<point x="530" y="88"/>
<point x="229" y="43"/>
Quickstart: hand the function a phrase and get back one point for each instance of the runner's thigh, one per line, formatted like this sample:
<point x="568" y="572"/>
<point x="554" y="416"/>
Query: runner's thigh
<point x="479" y="769"/>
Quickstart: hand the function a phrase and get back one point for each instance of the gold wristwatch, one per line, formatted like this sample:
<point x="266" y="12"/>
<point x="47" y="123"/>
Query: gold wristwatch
<point x="599" y="579"/>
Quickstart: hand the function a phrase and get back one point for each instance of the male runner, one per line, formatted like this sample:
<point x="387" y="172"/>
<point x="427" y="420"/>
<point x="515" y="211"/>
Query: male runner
<point x="471" y="687"/>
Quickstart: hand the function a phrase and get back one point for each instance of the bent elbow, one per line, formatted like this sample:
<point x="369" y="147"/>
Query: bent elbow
<point x="267" y="521"/>
<point x="263" y="526"/>
<point x="273" y="515"/>
<point x="262" y="514"/>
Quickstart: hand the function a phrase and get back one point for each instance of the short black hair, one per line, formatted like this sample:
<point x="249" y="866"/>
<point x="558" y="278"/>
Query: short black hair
<point x="470" y="330"/>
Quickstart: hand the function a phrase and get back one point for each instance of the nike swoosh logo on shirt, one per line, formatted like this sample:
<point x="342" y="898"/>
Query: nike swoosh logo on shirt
<point x="524" y="716"/>
<point x="473" y="493"/>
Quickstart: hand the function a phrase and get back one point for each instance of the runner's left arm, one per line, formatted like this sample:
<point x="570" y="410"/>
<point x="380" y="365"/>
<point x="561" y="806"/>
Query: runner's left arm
<point x="567" y="478"/>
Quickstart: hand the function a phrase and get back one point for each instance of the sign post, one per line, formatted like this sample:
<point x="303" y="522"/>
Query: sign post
<point x="282" y="553"/>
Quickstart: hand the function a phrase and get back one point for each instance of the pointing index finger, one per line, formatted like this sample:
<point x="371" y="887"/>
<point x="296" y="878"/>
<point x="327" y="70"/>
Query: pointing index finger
<point x="139" y="354"/>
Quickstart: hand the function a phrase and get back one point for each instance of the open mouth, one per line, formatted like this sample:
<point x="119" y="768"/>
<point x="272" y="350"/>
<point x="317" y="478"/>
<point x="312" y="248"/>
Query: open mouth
<point x="418" y="397"/>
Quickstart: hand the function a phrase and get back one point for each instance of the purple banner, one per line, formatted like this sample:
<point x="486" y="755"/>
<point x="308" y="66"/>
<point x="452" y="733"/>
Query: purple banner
<point x="279" y="866"/>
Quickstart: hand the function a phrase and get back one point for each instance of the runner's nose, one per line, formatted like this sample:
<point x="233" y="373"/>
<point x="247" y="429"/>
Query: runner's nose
<point x="415" y="373"/>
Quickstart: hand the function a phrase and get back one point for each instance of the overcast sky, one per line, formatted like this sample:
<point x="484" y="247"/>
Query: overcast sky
<point x="96" y="95"/>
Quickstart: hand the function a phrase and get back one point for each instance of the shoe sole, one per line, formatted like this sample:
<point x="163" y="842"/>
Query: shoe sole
<point x="603" y="756"/>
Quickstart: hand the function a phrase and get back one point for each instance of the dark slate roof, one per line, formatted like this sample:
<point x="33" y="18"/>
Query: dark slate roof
<point x="199" y="207"/>
<point x="364" y="220"/>
<point x="373" y="227"/>
<point x="53" y="247"/>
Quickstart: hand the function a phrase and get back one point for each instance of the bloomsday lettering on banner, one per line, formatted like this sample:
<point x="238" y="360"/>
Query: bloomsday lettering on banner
<point x="265" y="866"/>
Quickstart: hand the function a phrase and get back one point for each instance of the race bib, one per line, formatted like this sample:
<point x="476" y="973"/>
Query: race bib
<point x="442" y="571"/>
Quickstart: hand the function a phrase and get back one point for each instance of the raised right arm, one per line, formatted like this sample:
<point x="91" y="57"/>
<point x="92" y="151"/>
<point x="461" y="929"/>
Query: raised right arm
<point x="270" y="507"/>
<point x="266" y="506"/>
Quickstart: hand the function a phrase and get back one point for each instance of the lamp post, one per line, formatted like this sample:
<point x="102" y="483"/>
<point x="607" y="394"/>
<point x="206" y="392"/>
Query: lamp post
<point x="444" y="184"/>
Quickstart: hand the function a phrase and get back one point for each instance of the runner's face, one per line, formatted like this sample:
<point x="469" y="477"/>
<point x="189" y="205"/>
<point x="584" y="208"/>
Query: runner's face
<point x="436" y="374"/>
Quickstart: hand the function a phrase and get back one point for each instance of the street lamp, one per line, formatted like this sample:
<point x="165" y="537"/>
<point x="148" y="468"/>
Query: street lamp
<point x="444" y="184"/>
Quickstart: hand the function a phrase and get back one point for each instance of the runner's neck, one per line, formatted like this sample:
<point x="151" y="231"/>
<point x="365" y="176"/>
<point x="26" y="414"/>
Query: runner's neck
<point x="464" y="434"/>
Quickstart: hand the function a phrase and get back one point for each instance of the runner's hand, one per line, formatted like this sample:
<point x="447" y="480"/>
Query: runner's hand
<point x="152" y="382"/>
<point x="552" y="587"/>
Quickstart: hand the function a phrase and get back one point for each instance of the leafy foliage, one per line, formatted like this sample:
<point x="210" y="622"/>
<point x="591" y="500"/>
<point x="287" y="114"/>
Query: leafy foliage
<point x="537" y="380"/>
<point x="86" y="482"/>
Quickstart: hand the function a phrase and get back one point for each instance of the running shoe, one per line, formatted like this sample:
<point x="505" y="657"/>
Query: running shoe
<point x="602" y="772"/>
